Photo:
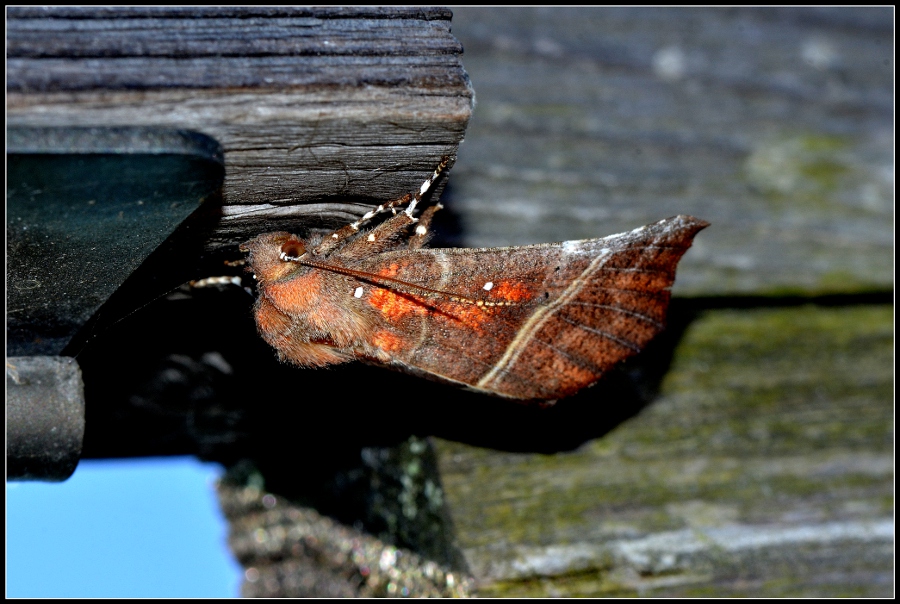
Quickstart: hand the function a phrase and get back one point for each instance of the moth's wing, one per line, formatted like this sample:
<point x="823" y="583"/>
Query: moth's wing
<point x="533" y="322"/>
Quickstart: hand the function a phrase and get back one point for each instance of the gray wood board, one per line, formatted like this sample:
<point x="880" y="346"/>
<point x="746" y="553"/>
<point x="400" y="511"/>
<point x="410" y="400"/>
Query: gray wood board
<point x="764" y="468"/>
<point x="185" y="35"/>
<point x="774" y="125"/>
<point x="325" y="105"/>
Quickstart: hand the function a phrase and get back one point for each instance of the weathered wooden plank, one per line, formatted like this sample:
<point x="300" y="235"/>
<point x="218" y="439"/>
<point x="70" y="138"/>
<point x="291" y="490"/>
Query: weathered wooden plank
<point x="178" y="36"/>
<point x="774" y="125"/>
<point x="764" y="468"/>
<point x="352" y="105"/>
<point x="56" y="75"/>
<point x="222" y="12"/>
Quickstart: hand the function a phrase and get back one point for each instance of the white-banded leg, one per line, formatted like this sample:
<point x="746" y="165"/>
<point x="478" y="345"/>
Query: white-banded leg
<point x="409" y="198"/>
<point x="420" y="234"/>
<point x="427" y="185"/>
<point x="216" y="281"/>
<point x="412" y="199"/>
<point x="220" y="281"/>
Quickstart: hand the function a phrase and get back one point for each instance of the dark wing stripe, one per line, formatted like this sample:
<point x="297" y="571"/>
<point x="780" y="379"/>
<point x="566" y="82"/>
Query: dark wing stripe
<point x="639" y="292"/>
<point x="517" y="370"/>
<point x="603" y="334"/>
<point x="561" y="352"/>
<point x="624" y="311"/>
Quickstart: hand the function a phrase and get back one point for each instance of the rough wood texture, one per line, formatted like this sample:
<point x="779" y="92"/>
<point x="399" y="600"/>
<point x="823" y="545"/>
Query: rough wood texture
<point x="764" y="468"/>
<point x="310" y="105"/>
<point x="774" y="125"/>
<point x="765" y="465"/>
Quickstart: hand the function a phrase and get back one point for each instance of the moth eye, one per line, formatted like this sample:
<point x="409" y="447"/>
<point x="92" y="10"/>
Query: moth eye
<point x="292" y="249"/>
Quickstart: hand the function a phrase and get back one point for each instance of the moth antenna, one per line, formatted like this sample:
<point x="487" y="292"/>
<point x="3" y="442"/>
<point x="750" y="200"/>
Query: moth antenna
<point x="410" y="287"/>
<point x="93" y="334"/>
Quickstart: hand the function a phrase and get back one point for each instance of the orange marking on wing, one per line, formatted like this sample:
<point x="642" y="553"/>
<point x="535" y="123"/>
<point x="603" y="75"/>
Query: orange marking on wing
<point x="512" y="291"/>
<point x="387" y="341"/>
<point x="471" y="316"/>
<point x="394" y="306"/>
<point x="390" y="271"/>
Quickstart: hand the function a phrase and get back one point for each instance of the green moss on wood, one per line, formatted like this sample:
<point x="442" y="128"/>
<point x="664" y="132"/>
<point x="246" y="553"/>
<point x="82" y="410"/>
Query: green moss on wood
<point x="765" y="416"/>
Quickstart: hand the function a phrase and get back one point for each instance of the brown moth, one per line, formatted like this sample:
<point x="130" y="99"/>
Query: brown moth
<point x="536" y="322"/>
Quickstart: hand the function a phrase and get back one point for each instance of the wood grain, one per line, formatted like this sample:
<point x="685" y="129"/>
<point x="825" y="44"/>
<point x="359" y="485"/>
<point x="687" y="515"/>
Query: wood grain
<point x="775" y="126"/>
<point x="348" y="106"/>
<point x="764" y="466"/>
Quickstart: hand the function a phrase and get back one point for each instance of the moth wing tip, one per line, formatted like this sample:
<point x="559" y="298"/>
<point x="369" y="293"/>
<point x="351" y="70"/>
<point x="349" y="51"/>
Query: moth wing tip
<point x="686" y="220"/>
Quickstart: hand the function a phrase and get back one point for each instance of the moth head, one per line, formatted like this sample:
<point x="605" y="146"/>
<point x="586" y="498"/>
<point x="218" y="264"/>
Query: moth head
<point x="273" y="256"/>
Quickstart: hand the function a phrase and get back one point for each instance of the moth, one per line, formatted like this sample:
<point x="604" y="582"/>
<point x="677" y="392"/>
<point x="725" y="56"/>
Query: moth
<point x="536" y="322"/>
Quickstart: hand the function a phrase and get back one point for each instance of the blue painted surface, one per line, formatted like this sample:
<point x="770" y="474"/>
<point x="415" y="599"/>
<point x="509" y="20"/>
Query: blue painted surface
<point x="135" y="528"/>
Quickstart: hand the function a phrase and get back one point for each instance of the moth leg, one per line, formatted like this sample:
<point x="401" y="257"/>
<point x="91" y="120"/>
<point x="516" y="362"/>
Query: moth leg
<point x="420" y="237"/>
<point x="382" y="238"/>
<point x="386" y="235"/>
<point x="215" y="281"/>
<point x="331" y="241"/>
<point x="427" y="185"/>
<point x="411" y="199"/>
